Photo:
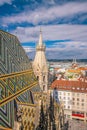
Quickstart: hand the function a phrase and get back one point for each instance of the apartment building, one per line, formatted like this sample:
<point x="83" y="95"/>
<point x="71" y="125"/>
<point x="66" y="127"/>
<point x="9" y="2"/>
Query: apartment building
<point x="73" y="96"/>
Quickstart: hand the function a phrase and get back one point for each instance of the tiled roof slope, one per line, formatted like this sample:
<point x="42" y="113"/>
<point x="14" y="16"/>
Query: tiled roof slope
<point x="75" y="86"/>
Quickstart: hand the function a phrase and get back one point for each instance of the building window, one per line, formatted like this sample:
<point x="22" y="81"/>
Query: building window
<point x="73" y="99"/>
<point x="82" y="100"/>
<point x="64" y="106"/>
<point x="82" y="88"/>
<point x="73" y="103"/>
<point x="56" y="92"/>
<point x="37" y="77"/>
<point x="77" y="99"/>
<point x="64" y="93"/>
<point x="86" y="114"/>
<point x="68" y="107"/>
<point x="56" y="97"/>
<point x="77" y="103"/>
<point x="64" y="97"/>
<point x="43" y="87"/>
<point x="82" y="104"/>
<point x="77" y="94"/>
<point x="44" y="78"/>
<point x="68" y="94"/>
<point x="60" y="93"/>
<point x="73" y="94"/>
<point x="68" y="116"/>
<point x="78" y="88"/>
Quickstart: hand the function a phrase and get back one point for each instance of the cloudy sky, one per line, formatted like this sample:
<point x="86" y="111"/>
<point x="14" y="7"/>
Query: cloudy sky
<point x="63" y="22"/>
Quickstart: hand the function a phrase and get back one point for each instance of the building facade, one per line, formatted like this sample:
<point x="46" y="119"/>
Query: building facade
<point x="73" y="95"/>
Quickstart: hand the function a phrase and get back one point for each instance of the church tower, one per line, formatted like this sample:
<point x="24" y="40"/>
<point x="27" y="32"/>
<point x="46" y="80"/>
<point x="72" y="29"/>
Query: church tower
<point x="40" y="65"/>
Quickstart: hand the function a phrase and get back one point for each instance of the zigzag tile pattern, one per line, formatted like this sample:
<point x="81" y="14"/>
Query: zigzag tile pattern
<point x="17" y="79"/>
<point x="12" y="56"/>
<point x="11" y="86"/>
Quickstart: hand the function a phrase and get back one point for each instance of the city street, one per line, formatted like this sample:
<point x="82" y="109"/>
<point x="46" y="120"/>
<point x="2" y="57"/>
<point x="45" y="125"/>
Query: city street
<point x="76" y="125"/>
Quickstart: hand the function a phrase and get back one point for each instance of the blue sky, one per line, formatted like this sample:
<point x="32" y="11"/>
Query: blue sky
<point x="63" y="22"/>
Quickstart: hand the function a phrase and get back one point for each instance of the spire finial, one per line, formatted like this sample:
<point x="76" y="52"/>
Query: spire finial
<point x="40" y="29"/>
<point x="40" y="38"/>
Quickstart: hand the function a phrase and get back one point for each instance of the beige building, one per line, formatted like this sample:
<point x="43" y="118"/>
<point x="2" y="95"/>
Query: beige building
<point x="73" y="95"/>
<point x="40" y="65"/>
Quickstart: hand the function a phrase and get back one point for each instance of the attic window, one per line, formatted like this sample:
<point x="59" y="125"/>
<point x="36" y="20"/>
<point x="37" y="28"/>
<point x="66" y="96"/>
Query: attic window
<point x="78" y="88"/>
<point x="82" y="88"/>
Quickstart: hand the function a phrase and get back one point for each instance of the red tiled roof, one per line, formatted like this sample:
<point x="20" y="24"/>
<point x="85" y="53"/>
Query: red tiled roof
<point x="77" y="86"/>
<point x="82" y="68"/>
<point x="74" y="71"/>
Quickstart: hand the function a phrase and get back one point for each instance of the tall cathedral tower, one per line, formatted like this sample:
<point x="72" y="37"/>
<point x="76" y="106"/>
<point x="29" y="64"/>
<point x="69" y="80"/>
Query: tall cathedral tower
<point x="40" y="65"/>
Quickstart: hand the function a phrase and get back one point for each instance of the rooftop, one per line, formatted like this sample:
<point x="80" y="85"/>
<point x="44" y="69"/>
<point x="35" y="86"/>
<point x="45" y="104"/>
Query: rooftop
<point x="74" y="86"/>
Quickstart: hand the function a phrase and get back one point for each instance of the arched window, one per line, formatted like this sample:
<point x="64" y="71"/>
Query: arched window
<point x="43" y="87"/>
<point x="37" y="77"/>
<point x="43" y="78"/>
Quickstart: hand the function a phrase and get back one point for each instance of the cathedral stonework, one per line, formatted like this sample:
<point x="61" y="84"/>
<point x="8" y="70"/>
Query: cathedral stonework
<point x="40" y="64"/>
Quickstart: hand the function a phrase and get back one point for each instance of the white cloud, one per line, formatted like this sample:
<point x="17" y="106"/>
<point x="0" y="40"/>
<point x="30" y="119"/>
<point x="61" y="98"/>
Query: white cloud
<point x="70" y="50"/>
<point x="77" y="33"/>
<point x="76" y="47"/>
<point x="15" y="6"/>
<point x="5" y="25"/>
<point x="45" y="15"/>
<point x="28" y="49"/>
<point x="71" y="45"/>
<point x="2" y="2"/>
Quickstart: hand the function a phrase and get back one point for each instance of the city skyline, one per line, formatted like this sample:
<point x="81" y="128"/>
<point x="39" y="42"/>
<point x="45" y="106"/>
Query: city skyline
<point x="63" y="23"/>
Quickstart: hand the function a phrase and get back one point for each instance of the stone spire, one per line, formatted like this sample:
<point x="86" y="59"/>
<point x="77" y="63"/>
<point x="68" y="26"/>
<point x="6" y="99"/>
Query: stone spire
<point x="40" y="64"/>
<point x="40" y="37"/>
<point x="40" y="45"/>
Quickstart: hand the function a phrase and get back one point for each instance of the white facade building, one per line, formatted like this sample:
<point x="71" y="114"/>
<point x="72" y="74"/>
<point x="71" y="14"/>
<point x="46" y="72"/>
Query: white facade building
<point x="73" y="95"/>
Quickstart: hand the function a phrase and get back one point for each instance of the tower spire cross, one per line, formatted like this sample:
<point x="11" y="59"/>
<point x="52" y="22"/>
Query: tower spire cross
<point x="40" y="38"/>
<point x="40" y="29"/>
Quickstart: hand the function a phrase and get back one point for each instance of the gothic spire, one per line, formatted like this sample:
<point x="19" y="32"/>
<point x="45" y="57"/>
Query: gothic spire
<point x="40" y="37"/>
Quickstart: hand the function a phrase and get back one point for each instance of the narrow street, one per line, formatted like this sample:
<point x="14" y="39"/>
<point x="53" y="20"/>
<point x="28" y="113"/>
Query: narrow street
<point x="76" y="125"/>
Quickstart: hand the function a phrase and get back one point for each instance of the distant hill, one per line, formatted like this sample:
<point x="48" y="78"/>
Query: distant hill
<point x="66" y="60"/>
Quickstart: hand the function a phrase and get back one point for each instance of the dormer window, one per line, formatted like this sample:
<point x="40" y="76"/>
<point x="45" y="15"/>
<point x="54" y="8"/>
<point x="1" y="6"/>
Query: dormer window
<point x="82" y="88"/>
<point x="78" y="88"/>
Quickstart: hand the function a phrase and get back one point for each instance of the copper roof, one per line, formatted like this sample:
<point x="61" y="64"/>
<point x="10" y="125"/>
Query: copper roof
<point x="75" y="86"/>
